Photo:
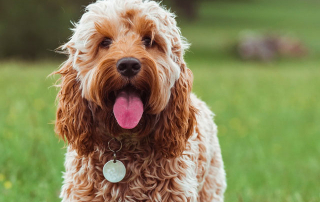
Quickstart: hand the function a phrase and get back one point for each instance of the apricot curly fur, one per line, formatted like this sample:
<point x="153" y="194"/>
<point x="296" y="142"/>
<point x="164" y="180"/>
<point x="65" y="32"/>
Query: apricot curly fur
<point x="173" y="154"/>
<point x="178" y="120"/>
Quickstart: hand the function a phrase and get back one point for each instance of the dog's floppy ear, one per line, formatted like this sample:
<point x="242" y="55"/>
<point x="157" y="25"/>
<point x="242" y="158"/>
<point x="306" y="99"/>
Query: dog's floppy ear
<point x="74" y="122"/>
<point x="177" y="121"/>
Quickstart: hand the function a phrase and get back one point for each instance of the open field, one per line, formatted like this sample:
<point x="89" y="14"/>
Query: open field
<point x="268" y="118"/>
<point x="268" y="115"/>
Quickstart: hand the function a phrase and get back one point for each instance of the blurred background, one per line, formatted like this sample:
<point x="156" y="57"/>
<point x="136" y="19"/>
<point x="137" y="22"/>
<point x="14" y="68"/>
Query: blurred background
<point x="255" y="62"/>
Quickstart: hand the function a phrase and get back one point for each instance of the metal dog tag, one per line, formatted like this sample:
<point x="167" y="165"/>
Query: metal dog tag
<point x="114" y="171"/>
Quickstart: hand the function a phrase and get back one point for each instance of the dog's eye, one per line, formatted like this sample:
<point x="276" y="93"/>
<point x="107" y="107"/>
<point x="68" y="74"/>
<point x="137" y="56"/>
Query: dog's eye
<point x="106" y="42"/>
<point x="147" y="41"/>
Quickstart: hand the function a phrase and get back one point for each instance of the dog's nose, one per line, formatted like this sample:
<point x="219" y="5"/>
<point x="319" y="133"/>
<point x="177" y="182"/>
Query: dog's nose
<point x="128" y="67"/>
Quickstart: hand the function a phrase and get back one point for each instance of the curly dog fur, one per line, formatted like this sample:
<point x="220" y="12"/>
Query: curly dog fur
<point x="173" y="153"/>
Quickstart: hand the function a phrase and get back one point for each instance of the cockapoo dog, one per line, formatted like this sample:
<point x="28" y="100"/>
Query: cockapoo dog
<point x="135" y="131"/>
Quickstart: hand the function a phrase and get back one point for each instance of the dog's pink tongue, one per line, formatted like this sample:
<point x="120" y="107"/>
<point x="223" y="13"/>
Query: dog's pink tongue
<point x="128" y="109"/>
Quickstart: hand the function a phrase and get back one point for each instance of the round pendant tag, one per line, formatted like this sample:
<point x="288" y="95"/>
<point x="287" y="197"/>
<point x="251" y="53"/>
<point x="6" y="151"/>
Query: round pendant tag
<point x="114" y="172"/>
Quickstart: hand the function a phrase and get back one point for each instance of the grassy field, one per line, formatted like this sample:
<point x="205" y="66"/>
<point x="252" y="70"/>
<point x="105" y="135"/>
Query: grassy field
<point x="268" y="115"/>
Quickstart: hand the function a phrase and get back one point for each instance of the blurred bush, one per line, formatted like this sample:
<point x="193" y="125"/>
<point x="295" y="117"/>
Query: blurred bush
<point x="267" y="47"/>
<point x="34" y="28"/>
<point x="187" y="9"/>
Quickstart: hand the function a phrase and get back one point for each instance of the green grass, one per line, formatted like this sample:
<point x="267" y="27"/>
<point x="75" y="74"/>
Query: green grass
<point x="268" y="120"/>
<point x="31" y="157"/>
<point x="268" y="115"/>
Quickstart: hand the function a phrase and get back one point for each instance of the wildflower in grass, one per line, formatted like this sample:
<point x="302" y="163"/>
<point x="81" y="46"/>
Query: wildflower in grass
<point x="7" y="184"/>
<point x="1" y="177"/>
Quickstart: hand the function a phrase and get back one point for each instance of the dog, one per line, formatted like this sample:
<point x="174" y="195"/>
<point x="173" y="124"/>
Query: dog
<point x="134" y="129"/>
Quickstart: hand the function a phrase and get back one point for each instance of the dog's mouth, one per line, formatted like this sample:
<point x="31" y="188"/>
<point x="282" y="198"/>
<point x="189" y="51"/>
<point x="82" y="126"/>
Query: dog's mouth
<point x="128" y="106"/>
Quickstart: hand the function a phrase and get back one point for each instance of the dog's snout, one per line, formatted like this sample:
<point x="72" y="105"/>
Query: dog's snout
<point x="128" y="67"/>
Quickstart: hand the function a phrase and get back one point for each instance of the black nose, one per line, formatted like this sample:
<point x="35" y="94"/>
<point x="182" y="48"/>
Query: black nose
<point x="128" y="67"/>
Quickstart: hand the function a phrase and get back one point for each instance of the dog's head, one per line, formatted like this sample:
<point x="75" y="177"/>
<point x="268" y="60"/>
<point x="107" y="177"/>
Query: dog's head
<point x="125" y="75"/>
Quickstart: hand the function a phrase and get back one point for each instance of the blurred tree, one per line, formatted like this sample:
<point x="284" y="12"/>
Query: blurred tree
<point x="34" y="28"/>
<point x="187" y="9"/>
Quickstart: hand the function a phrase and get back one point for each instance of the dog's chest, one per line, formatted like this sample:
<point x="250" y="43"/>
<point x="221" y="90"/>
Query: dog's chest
<point x="147" y="177"/>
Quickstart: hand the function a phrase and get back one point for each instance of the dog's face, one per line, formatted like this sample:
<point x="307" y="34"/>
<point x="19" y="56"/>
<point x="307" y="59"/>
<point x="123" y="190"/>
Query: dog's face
<point x="126" y="54"/>
<point x="125" y="75"/>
